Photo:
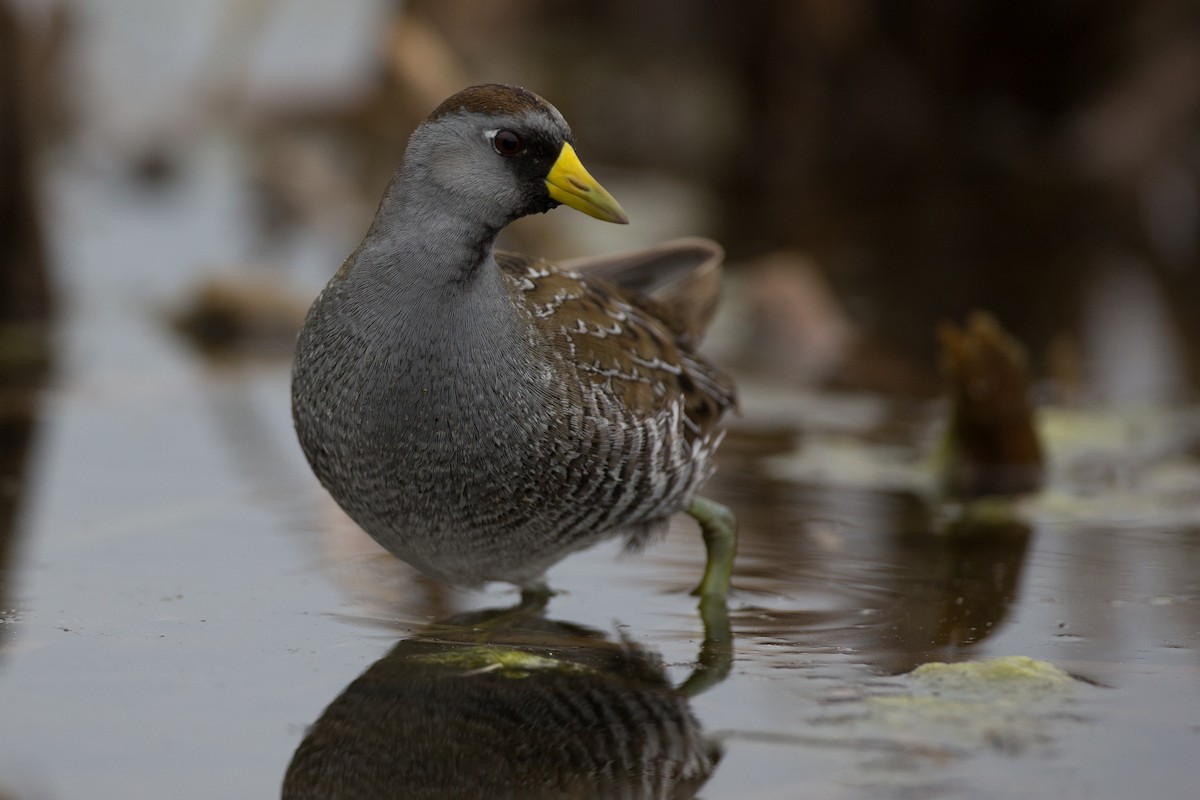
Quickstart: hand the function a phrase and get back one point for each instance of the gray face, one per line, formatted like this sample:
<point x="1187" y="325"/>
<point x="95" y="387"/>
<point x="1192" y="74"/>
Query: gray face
<point x="495" y="165"/>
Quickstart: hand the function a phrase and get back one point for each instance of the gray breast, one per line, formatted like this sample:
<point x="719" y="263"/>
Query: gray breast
<point x="466" y="455"/>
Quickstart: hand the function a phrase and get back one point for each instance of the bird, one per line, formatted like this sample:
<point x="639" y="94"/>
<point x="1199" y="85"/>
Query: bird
<point x="483" y="414"/>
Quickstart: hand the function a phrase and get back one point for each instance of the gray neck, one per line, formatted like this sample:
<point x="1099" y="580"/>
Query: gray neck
<point x="425" y="241"/>
<point x="425" y="297"/>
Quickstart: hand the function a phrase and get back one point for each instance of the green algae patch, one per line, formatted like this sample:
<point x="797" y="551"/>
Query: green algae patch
<point x="1020" y="673"/>
<point x="1011" y="704"/>
<point x="506" y="661"/>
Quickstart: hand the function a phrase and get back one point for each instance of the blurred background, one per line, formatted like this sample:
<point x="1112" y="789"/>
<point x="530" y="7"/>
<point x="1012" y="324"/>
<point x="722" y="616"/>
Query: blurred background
<point x="876" y="167"/>
<point x="178" y="178"/>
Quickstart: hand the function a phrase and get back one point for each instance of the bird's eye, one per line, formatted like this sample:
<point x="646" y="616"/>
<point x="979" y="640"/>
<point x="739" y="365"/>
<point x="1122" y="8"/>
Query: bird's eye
<point x="507" y="143"/>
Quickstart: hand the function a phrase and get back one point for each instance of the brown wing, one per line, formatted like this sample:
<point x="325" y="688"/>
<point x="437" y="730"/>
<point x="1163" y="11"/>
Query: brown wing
<point x="630" y="345"/>
<point x="682" y="275"/>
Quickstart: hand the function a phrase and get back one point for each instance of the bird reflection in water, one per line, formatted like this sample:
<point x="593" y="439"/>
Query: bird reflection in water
<point x="505" y="703"/>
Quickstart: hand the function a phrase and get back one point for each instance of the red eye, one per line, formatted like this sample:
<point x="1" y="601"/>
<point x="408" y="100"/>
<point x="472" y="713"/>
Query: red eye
<point x="507" y="143"/>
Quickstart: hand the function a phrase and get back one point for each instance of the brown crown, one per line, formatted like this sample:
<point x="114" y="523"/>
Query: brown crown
<point x="491" y="98"/>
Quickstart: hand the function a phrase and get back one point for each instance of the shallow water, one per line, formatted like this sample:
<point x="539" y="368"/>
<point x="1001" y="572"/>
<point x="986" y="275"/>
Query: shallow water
<point x="183" y="601"/>
<point x="186" y="600"/>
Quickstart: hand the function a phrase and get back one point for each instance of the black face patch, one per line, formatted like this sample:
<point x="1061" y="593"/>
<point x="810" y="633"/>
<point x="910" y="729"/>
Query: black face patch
<point x="539" y="155"/>
<point x="532" y="166"/>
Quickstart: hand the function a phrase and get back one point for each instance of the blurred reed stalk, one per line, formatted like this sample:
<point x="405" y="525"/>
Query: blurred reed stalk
<point x="25" y="297"/>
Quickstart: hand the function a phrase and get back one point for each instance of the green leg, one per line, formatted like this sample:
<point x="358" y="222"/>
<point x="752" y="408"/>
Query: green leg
<point x="720" y="541"/>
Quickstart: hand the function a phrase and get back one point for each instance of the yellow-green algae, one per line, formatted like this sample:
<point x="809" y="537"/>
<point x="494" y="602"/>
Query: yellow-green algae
<point x="506" y="661"/>
<point x="1019" y="672"/>
<point x="1004" y="682"/>
<point x="1008" y="704"/>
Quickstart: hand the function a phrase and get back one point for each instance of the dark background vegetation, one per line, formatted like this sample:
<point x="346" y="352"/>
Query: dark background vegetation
<point x="929" y="158"/>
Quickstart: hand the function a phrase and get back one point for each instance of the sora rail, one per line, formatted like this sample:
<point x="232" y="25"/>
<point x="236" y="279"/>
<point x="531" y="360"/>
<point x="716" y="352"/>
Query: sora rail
<point x="482" y="414"/>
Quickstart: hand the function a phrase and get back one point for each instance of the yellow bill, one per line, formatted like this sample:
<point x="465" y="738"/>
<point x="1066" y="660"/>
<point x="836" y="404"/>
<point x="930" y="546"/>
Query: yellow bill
<point x="570" y="184"/>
